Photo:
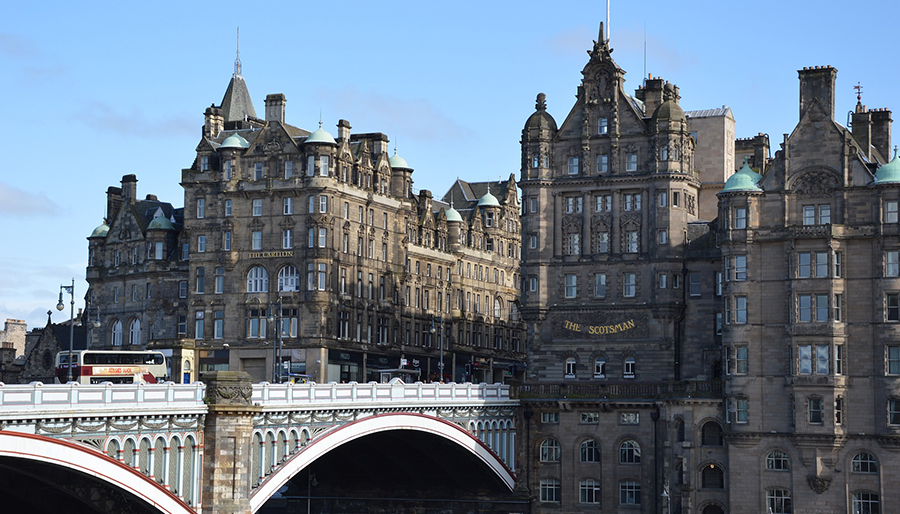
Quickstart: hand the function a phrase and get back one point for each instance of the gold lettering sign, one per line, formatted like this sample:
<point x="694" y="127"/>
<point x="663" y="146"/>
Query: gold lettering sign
<point x="265" y="255"/>
<point x="597" y="330"/>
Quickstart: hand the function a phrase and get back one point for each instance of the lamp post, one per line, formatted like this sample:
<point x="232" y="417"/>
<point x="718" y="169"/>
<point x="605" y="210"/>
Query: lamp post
<point x="275" y="318"/>
<point x="60" y="306"/>
<point x="310" y="482"/>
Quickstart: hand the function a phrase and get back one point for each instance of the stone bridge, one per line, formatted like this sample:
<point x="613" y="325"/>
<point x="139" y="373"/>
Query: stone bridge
<point x="224" y="445"/>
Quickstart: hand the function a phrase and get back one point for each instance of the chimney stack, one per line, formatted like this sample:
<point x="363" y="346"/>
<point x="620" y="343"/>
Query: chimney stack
<point x="817" y="83"/>
<point x="275" y="107"/>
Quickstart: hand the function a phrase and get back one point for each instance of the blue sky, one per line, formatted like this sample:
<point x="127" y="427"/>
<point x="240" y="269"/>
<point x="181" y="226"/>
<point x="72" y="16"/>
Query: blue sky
<point x="94" y="90"/>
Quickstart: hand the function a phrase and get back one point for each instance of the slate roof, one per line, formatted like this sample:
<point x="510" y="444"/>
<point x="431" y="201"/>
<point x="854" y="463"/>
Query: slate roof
<point x="236" y="104"/>
<point x="708" y="113"/>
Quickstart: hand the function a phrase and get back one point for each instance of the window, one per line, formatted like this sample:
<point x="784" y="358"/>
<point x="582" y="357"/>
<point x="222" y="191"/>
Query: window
<point x="257" y="280"/>
<point x="805" y="363"/>
<point x="257" y="171"/>
<point x="816" y="215"/>
<point x="600" y="367"/>
<point x="573" y="243"/>
<point x="257" y="207"/>
<point x="838" y="359"/>
<point x="550" y="450"/>
<point x="838" y="307"/>
<point x="712" y="477"/>
<point x="201" y="280"/>
<point x="201" y="244"/>
<point x="287" y="239"/>
<point x="573" y="166"/>
<point x="574" y="204"/>
<point x="201" y="208"/>
<point x="218" y="324"/>
<point x="289" y="279"/>
<point x="838" y="264"/>
<point x="893" y="412"/>
<point x="228" y="207"/>
<point x="550" y="490"/>
<point x="532" y="241"/>
<point x="812" y="307"/>
<point x="740" y="360"/>
<point x="589" y="491"/>
<point x="228" y="170"/>
<point x="824" y="214"/>
<point x="630" y="452"/>
<point x="662" y="280"/>
<point x="220" y="279"/>
<point x="740" y="218"/>
<point x="632" y="201"/>
<point x="226" y="240"/>
<point x="778" y="460"/>
<point x="204" y="163"/>
<point x="694" y="283"/>
<point x="533" y="204"/>
<point x="324" y="166"/>
<point x="631" y="162"/>
<point x="663" y="237"/>
<point x="603" y="126"/>
<point x="288" y="206"/>
<point x="256" y="240"/>
<point x="631" y="241"/>
<point x="778" y="501"/>
<point x="181" y="327"/>
<point x="571" y="285"/>
<point x="549" y="417"/>
<point x="323" y="203"/>
<point x="866" y="503"/>
<point x="740" y="309"/>
<point x="890" y="211"/>
<point x="628" y="368"/>
<point x="893" y="360"/>
<point x="892" y="301"/>
<point x="182" y="289"/>
<point x="590" y="418"/>
<point x="663" y="199"/>
<point x="288" y="169"/>
<point x="629" y="492"/>
<point x="839" y="410"/>
<point x="603" y="163"/>
<point x="134" y="332"/>
<point x="603" y="203"/>
<point x="116" y="335"/>
<point x="629" y="418"/>
<point x="134" y="293"/>
<point x="815" y="410"/>
<point x="740" y="410"/>
<point x="570" y="367"/>
<point x="629" y="285"/>
<point x="600" y="285"/>
<point x="740" y="268"/>
<point x="198" y="325"/>
<point x="603" y="242"/>
<point x="892" y="263"/>
<point x="256" y="323"/>
<point x="532" y="284"/>
<point x="864" y="462"/>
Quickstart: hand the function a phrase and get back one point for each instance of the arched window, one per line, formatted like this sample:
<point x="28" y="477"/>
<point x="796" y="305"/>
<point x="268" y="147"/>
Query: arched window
<point x="288" y="279"/>
<point x="713" y="509"/>
<point x="712" y="434"/>
<point x="779" y="501"/>
<point x="258" y="280"/>
<point x="630" y="452"/>
<point x="713" y="477"/>
<point x="628" y="368"/>
<point x="498" y="307"/>
<point x="679" y="430"/>
<point x="116" y="339"/>
<point x="590" y="451"/>
<point x="778" y="460"/>
<point x="550" y="450"/>
<point x="864" y="462"/>
<point x="599" y="367"/>
<point x="134" y="332"/>
<point x="570" y="367"/>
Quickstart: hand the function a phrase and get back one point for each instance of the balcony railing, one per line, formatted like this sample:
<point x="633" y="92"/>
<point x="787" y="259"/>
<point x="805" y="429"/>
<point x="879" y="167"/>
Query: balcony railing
<point x="616" y="391"/>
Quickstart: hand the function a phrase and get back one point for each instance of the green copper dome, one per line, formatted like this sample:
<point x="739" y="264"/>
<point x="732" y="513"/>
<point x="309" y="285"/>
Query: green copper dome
<point x="488" y="200"/>
<point x="320" y="136"/>
<point x="398" y="162"/>
<point x="889" y="173"/>
<point x="100" y="231"/>
<point x="161" y="223"/>
<point x="453" y="215"/>
<point x="744" y="180"/>
<point x="234" y="141"/>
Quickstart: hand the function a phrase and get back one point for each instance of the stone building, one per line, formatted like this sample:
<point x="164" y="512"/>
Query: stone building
<point x="620" y="401"/>
<point x="314" y="251"/>
<point x="810" y="257"/>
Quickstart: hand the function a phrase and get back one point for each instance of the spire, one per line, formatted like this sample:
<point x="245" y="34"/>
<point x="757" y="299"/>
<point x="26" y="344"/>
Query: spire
<point x="237" y="60"/>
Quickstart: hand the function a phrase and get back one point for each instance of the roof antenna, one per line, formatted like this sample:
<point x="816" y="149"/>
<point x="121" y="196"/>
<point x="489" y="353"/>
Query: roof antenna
<point x="237" y="61"/>
<point x="607" y="21"/>
<point x="645" y="53"/>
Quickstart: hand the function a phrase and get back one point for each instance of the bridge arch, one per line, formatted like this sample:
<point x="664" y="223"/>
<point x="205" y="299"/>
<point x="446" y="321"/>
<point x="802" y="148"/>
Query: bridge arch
<point x="326" y="442"/>
<point x="73" y="456"/>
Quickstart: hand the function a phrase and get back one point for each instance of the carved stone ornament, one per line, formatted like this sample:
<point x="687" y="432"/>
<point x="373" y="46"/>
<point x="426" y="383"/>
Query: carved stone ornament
<point x="233" y="392"/>
<point x="818" y="484"/>
<point x="815" y="184"/>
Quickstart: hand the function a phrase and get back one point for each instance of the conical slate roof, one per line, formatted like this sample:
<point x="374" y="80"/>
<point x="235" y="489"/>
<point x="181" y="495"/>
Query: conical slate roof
<point x="236" y="105"/>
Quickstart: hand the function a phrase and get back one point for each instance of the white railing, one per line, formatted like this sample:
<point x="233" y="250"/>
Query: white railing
<point x="396" y="394"/>
<point x="41" y="401"/>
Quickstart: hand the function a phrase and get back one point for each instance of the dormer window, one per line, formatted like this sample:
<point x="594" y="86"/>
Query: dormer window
<point x="204" y="163"/>
<point x="489" y="219"/>
<point x="603" y="126"/>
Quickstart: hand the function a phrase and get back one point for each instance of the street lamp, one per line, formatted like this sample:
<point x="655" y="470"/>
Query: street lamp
<point x="60" y="306"/>
<point x="275" y="318"/>
<point x="310" y="482"/>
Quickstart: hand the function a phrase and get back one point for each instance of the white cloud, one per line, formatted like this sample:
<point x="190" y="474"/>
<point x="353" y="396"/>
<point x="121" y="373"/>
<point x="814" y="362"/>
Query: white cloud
<point x="21" y="203"/>
<point x="415" y="119"/>
<point x="102" y="117"/>
<point x="12" y="45"/>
